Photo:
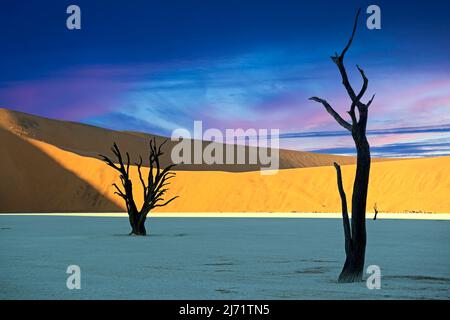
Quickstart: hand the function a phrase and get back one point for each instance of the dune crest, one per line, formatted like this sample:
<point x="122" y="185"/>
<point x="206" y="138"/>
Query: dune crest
<point x="87" y="140"/>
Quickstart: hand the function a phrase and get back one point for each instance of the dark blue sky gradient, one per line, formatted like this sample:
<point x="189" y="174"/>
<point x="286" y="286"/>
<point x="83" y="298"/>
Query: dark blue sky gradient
<point x="158" y="65"/>
<point x="36" y="41"/>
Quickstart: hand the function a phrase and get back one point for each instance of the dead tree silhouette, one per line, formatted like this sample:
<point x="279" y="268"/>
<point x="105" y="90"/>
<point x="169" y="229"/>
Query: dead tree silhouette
<point x="375" y="209"/>
<point x="355" y="233"/>
<point x="154" y="190"/>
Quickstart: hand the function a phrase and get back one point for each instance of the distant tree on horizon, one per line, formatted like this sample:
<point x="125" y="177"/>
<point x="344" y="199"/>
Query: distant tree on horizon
<point x="355" y="233"/>
<point x="154" y="190"/>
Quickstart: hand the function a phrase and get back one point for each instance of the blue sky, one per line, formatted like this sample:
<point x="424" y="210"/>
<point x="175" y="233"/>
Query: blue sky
<point x="156" y="66"/>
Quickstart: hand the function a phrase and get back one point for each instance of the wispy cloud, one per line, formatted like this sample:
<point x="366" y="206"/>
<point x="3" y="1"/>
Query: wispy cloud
<point x="376" y="132"/>
<point x="399" y="150"/>
<point x="261" y="89"/>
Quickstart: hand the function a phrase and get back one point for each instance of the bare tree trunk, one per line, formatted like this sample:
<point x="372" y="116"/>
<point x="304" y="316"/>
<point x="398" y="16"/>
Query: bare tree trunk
<point x="137" y="223"/>
<point x="354" y="263"/>
<point x="133" y="223"/>
<point x="140" y="225"/>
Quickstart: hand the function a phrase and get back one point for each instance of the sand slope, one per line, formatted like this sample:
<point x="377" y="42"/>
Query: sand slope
<point x="90" y="141"/>
<point x="39" y="177"/>
<point x="32" y="181"/>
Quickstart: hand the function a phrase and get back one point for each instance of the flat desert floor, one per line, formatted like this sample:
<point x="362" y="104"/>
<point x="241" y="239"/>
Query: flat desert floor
<point x="217" y="258"/>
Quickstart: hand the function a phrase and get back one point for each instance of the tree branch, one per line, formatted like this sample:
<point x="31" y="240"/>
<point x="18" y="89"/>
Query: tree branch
<point x="128" y="164"/>
<point x="345" y="219"/>
<point x="355" y="24"/>
<point x="370" y="101"/>
<point x="339" y="61"/>
<point x="165" y="203"/>
<point x="144" y="187"/>
<point x="333" y="113"/>
<point x="109" y="162"/>
<point x="160" y="146"/>
<point x="365" y="83"/>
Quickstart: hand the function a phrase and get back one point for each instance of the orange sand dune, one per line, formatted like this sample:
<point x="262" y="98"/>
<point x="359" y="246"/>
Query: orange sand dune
<point x="90" y="141"/>
<point x="39" y="177"/>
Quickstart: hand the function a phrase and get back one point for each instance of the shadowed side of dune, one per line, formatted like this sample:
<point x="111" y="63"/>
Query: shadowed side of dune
<point x="31" y="181"/>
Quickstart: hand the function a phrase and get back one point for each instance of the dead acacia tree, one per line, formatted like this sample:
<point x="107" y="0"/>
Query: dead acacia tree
<point x="154" y="190"/>
<point x="375" y="210"/>
<point x="355" y="233"/>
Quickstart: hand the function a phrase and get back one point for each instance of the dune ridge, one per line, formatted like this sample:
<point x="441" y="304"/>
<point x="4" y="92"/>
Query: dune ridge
<point x="87" y="140"/>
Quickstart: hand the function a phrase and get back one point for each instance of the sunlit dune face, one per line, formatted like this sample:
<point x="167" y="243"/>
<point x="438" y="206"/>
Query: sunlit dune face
<point x="419" y="185"/>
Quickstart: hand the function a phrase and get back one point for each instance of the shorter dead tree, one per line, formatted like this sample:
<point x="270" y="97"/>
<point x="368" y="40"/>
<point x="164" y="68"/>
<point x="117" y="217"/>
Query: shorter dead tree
<point x="154" y="190"/>
<point x="375" y="210"/>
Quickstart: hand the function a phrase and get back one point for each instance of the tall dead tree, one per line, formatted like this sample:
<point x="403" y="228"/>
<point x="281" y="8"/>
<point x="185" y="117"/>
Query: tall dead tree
<point x="154" y="190"/>
<point x="355" y="233"/>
